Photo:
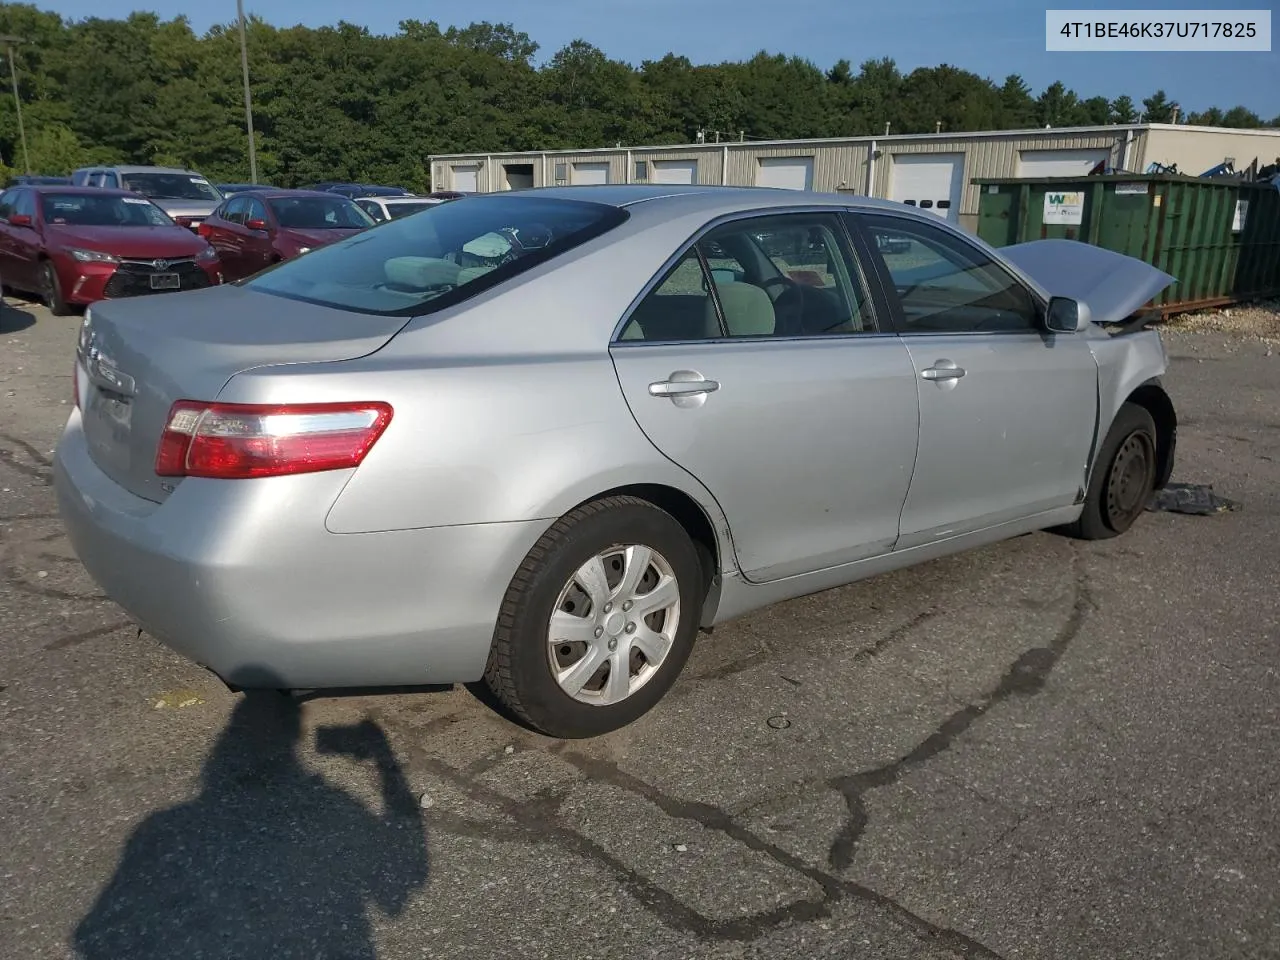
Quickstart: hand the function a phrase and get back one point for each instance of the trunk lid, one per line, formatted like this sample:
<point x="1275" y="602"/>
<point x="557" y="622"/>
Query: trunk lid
<point x="137" y="357"/>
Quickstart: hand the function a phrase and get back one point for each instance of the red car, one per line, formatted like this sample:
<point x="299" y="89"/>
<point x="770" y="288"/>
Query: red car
<point x="251" y="231"/>
<point x="77" y="245"/>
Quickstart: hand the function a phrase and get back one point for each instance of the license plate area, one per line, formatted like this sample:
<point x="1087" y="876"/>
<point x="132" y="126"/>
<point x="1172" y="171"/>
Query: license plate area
<point x="166" y="281"/>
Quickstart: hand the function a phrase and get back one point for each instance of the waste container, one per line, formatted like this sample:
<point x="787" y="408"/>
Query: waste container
<point x="1219" y="238"/>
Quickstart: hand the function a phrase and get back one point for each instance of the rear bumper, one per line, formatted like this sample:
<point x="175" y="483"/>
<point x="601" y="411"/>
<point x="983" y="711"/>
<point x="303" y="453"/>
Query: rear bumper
<point x="246" y="580"/>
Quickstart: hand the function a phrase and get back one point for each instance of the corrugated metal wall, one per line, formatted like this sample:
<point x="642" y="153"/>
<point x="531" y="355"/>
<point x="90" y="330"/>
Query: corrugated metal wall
<point x="841" y="165"/>
<point x="992" y="156"/>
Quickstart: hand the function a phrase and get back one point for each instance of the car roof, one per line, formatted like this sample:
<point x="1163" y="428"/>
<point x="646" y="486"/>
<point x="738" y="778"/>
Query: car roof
<point x="129" y="168"/>
<point x="64" y="189"/>
<point x="274" y="192"/>
<point x="711" y="199"/>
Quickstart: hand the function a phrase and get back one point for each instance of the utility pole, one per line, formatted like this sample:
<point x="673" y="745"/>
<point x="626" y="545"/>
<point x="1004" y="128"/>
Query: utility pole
<point x="9" y="41"/>
<point x="248" y="100"/>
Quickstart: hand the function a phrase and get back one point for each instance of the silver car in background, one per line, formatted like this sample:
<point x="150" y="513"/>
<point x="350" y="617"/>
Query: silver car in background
<point x="540" y="438"/>
<point x="185" y="195"/>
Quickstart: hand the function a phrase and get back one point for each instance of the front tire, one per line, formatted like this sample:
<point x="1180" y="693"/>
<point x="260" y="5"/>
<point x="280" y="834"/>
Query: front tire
<point x="599" y="619"/>
<point x="1123" y="477"/>
<point x="51" y="290"/>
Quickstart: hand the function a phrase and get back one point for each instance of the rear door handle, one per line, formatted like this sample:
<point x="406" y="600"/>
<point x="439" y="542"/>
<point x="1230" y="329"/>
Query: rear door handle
<point x="682" y="388"/>
<point x="943" y="370"/>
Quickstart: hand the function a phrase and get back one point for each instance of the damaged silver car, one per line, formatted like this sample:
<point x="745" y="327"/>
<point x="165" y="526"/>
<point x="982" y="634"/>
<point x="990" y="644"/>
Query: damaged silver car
<point x="538" y="439"/>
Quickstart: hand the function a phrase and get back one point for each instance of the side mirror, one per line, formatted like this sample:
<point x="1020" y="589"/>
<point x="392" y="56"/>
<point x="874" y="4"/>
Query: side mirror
<point x="1066" y="315"/>
<point x="256" y="224"/>
<point x="19" y="220"/>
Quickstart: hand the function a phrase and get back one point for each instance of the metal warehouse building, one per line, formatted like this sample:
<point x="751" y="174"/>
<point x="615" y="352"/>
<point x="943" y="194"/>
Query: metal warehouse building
<point x="933" y="171"/>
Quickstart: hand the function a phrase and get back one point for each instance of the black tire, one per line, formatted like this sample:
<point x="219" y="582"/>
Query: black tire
<point x="519" y="673"/>
<point x="1123" y="477"/>
<point x="51" y="290"/>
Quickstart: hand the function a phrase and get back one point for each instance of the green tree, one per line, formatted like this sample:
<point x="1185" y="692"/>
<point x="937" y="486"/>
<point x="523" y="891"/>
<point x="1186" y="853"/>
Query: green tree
<point x="1123" y="110"/>
<point x="1158" y="108"/>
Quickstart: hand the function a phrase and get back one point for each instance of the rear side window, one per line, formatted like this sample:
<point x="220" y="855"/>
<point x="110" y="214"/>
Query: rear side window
<point x="440" y="256"/>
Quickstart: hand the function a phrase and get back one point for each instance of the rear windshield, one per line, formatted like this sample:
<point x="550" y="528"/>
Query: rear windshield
<point x="171" y="186"/>
<point x="86" y="210"/>
<point x="398" y="210"/>
<point x="318" y="213"/>
<point x="440" y="256"/>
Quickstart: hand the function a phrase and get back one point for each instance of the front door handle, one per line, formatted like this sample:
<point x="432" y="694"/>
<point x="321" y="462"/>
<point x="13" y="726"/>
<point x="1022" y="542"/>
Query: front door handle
<point x="682" y="388"/>
<point x="943" y="370"/>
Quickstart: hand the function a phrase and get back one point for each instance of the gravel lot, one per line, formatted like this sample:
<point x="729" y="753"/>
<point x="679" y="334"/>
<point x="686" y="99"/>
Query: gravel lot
<point x="1038" y="750"/>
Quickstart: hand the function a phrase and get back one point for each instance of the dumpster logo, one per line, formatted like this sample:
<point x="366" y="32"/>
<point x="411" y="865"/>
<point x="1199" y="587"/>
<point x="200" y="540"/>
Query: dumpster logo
<point x="1064" y="208"/>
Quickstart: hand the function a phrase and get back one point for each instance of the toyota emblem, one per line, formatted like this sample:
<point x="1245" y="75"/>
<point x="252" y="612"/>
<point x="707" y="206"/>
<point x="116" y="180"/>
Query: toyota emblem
<point x="160" y="264"/>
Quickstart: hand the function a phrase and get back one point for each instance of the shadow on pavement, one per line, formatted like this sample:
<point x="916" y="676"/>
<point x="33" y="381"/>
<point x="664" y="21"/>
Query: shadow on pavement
<point x="270" y="860"/>
<point x="14" y="316"/>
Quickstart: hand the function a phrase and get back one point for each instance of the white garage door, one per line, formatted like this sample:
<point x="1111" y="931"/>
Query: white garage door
<point x="585" y="173"/>
<point x="466" y="179"/>
<point x="930" y="181"/>
<point x="789" y="173"/>
<point x="674" y="171"/>
<point x="1060" y="163"/>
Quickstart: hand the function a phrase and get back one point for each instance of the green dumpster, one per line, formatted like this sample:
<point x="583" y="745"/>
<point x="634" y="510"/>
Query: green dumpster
<point x="1220" y="238"/>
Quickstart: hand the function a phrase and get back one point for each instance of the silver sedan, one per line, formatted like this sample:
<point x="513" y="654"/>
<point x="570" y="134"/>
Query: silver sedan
<point x="539" y="439"/>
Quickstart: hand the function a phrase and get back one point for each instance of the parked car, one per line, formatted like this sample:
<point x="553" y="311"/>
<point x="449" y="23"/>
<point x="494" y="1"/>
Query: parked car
<point x="353" y="190"/>
<point x="229" y="190"/>
<point x="33" y="180"/>
<point x="393" y="208"/>
<point x="254" y="230"/>
<point x="430" y="454"/>
<point x="185" y="195"/>
<point x="76" y="245"/>
<point x="447" y="195"/>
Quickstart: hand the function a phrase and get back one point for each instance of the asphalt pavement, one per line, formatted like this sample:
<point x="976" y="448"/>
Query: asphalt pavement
<point x="1043" y="749"/>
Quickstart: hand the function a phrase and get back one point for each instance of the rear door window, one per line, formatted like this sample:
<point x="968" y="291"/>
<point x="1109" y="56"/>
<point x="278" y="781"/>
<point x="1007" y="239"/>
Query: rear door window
<point x="443" y="256"/>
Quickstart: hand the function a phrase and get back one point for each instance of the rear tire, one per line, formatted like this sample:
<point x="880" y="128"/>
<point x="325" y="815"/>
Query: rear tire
<point x="1123" y="477"/>
<point x="51" y="290"/>
<point x="598" y="621"/>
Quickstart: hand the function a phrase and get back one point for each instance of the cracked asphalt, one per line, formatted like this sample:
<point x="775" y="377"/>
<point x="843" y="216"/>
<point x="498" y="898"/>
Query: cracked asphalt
<point x="1043" y="749"/>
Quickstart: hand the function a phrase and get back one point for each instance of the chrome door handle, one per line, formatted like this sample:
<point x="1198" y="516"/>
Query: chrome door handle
<point x="682" y="388"/>
<point x="943" y="370"/>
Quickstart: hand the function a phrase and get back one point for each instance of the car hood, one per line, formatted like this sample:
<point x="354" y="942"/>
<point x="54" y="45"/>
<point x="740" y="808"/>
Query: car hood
<point x="315" y="238"/>
<point x="1111" y="284"/>
<point x="131" y="242"/>
<point x="185" y="208"/>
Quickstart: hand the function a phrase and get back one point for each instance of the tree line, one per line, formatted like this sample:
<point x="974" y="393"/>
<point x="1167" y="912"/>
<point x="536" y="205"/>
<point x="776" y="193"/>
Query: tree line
<point x="343" y="103"/>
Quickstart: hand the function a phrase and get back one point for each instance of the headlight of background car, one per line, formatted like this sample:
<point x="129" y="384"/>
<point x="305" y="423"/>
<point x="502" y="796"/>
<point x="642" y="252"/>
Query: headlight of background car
<point x="93" y="256"/>
<point x="207" y="255"/>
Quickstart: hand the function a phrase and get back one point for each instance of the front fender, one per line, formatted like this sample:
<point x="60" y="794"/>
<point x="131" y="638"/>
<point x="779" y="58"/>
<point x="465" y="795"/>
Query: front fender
<point x="1129" y="368"/>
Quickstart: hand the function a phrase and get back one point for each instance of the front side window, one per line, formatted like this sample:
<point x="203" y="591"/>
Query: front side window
<point x="372" y="209"/>
<point x="94" y="210"/>
<point x="172" y="186"/>
<point x="316" y="213"/>
<point x="945" y="285"/>
<point x="790" y="275"/>
<point x="441" y="256"/>
<point x="255" y="211"/>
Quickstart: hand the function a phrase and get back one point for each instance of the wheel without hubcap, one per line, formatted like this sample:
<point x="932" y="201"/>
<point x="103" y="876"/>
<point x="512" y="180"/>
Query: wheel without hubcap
<point x="1130" y="480"/>
<point x="1123" y="478"/>
<point x="614" y="624"/>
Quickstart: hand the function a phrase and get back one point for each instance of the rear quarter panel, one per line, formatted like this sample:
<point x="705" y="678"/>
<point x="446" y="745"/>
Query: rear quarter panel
<point x="507" y="407"/>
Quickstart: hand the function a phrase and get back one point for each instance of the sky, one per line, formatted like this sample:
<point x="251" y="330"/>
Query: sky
<point x="992" y="38"/>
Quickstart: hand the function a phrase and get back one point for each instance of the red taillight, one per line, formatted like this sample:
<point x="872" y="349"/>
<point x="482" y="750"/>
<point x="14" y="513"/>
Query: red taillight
<point x="233" y="441"/>
<point x="204" y="230"/>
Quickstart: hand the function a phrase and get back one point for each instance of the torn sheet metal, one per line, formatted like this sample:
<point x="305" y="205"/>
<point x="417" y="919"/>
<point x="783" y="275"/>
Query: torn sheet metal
<point x="1197" y="499"/>
<point x="1111" y="284"/>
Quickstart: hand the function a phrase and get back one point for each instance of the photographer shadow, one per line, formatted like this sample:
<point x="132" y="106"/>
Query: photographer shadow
<point x="270" y="860"/>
